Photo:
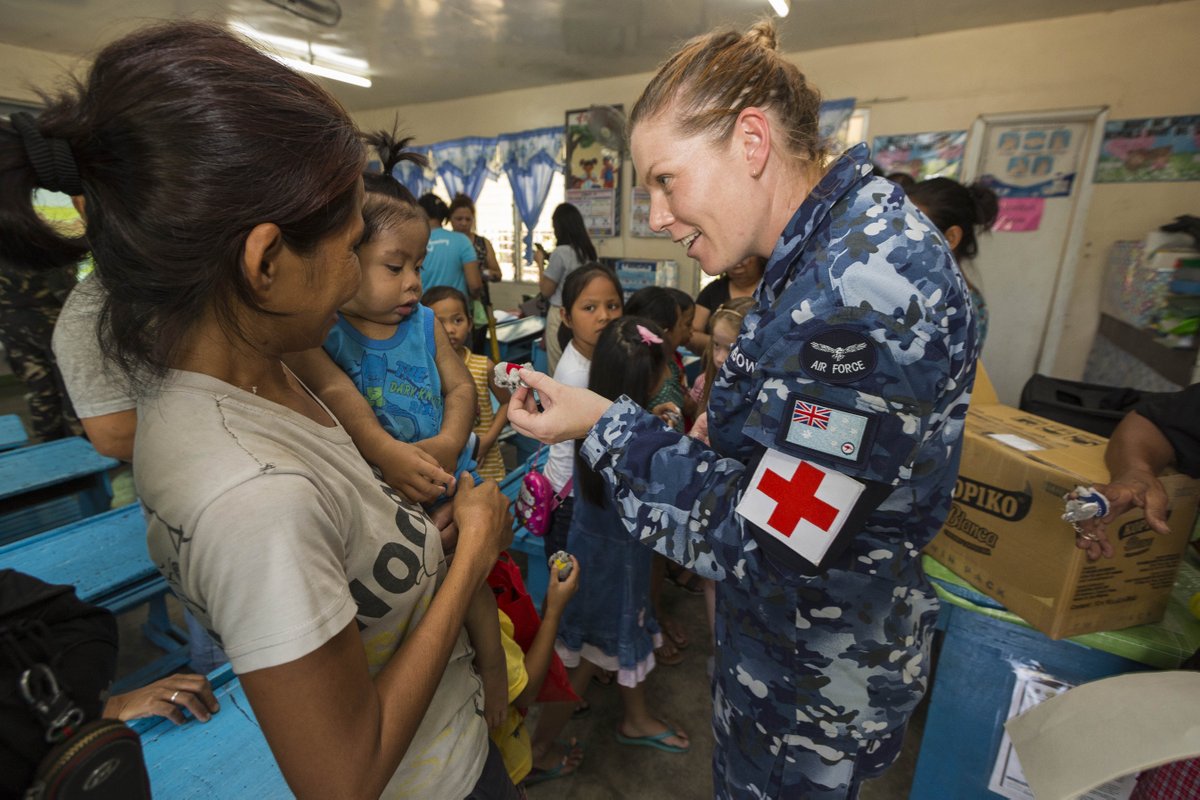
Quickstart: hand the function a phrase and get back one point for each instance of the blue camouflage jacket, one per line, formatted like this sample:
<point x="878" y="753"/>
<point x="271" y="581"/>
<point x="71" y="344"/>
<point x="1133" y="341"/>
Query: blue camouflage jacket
<point x="859" y="358"/>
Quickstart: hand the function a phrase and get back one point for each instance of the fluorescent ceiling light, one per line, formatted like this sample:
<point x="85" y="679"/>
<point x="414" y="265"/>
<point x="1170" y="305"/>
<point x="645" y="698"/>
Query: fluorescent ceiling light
<point x="780" y="6"/>
<point x="324" y="72"/>
<point x="301" y="55"/>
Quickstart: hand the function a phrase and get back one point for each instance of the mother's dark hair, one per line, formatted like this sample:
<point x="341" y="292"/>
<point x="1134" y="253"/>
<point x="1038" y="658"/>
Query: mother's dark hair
<point x="186" y="138"/>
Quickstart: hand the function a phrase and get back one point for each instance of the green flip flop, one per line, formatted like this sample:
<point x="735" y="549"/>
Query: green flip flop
<point x="656" y="741"/>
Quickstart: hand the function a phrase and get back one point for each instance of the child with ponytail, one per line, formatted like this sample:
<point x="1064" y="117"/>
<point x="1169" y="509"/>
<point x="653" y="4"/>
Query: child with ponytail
<point x="610" y="623"/>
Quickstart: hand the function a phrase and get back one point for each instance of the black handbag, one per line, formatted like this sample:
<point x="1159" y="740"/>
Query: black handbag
<point x="57" y="659"/>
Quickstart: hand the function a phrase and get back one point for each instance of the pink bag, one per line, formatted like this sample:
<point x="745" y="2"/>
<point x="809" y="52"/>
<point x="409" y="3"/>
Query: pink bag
<point x="536" y="501"/>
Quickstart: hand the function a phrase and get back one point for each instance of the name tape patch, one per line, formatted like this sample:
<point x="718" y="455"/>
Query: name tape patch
<point x="739" y="364"/>
<point x="838" y="355"/>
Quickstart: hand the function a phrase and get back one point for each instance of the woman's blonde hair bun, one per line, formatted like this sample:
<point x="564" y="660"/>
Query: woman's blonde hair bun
<point x="764" y="34"/>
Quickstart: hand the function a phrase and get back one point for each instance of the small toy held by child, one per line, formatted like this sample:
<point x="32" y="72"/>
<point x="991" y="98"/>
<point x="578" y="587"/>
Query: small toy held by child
<point x="561" y="562"/>
<point x="452" y="311"/>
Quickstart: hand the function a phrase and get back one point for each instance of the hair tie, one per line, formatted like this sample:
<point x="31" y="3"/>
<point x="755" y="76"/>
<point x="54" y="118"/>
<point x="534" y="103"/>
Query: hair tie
<point x="648" y="336"/>
<point x="51" y="159"/>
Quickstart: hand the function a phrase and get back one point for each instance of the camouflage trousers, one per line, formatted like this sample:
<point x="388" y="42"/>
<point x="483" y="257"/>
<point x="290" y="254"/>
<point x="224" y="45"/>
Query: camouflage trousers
<point x="812" y="710"/>
<point x="25" y="334"/>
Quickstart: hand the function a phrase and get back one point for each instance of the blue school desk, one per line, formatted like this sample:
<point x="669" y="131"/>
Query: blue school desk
<point x="12" y="432"/>
<point x="105" y="558"/>
<point x="47" y="485"/>
<point x="226" y="757"/>
<point x="516" y="338"/>
<point x="974" y="678"/>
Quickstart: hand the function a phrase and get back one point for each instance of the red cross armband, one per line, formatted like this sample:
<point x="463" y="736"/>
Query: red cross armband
<point x="807" y="514"/>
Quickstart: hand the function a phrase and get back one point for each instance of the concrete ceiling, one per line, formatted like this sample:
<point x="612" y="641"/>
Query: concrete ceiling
<point x="423" y="50"/>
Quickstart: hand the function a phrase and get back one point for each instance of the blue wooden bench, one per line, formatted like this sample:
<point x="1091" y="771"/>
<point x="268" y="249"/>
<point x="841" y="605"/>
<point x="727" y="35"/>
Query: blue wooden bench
<point x="227" y="756"/>
<point x="538" y="572"/>
<point x="47" y="485"/>
<point x="105" y="558"/>
<point x="12" y="432"/>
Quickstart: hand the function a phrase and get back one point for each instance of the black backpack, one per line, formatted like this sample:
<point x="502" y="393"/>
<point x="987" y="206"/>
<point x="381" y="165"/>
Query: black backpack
<point x="58" y="656"/>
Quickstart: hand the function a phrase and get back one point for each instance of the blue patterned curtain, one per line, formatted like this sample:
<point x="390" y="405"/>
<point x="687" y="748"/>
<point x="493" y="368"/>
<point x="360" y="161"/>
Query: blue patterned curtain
<point x="416" y="179"/>
<point x="465" y="164"/>
<point x="530" y="159"/>
<point x="833" y="116"/>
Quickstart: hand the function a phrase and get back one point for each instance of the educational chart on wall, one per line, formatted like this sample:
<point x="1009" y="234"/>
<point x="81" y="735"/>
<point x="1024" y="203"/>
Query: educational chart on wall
<point x="1157" y="149"/>
<point x="593" y="167"/>
<point x="1032" y="160"/>
<point x="921" y="155"/>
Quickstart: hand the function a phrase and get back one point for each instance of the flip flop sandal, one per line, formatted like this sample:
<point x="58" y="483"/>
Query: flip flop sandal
<point x="657" y="741"/>
<point x="676" y="634"/>
<point x="537" y="776"/>
<point x="668" y="661"/>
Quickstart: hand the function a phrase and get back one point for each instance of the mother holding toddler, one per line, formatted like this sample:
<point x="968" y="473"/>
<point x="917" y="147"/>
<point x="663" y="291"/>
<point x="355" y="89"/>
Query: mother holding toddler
<point x="225" y="205"/>
<point x="836" y="422"/>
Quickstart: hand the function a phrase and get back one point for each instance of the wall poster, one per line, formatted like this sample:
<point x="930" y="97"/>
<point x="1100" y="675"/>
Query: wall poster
<point x="1032" y="160"/>
<point x="1158" y="149"/>
<point x="921" y="155"/>
<point x="593" y="170"/>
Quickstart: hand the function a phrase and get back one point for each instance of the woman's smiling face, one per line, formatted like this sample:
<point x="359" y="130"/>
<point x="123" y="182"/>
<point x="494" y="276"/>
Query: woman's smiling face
<point x="697" y="192"/>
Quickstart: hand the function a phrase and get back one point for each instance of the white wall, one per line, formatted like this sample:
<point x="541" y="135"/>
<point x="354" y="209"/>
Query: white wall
<point x="1140" y="62"/>
<point x="22" y="70"/>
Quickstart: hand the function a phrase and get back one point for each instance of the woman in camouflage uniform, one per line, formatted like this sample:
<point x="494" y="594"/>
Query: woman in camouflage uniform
<point x="835" y="422"/>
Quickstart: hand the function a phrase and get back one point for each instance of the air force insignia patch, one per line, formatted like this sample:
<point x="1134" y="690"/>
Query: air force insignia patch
<point x="838" y="355"/>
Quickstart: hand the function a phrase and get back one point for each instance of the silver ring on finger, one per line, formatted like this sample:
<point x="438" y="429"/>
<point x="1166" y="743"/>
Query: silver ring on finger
<point x="173" y="696"/>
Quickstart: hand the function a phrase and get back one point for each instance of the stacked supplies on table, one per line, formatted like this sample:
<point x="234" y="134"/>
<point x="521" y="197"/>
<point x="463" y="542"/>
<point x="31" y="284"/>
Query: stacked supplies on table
<point x="1180" y="318"/>
<point x="1155" y="284"/>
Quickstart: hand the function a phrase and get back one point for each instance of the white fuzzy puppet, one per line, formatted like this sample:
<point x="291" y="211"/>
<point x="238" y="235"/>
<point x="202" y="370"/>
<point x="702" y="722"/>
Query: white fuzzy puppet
<point x="508" y="377"/>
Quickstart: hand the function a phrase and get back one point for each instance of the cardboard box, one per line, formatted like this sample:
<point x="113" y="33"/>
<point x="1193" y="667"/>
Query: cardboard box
<point x="1005" y="534"/>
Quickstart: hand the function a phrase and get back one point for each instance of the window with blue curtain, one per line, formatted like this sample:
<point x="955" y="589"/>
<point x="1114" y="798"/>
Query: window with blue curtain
<point x="465" y="164"/>
<point x="530" y="160"/>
